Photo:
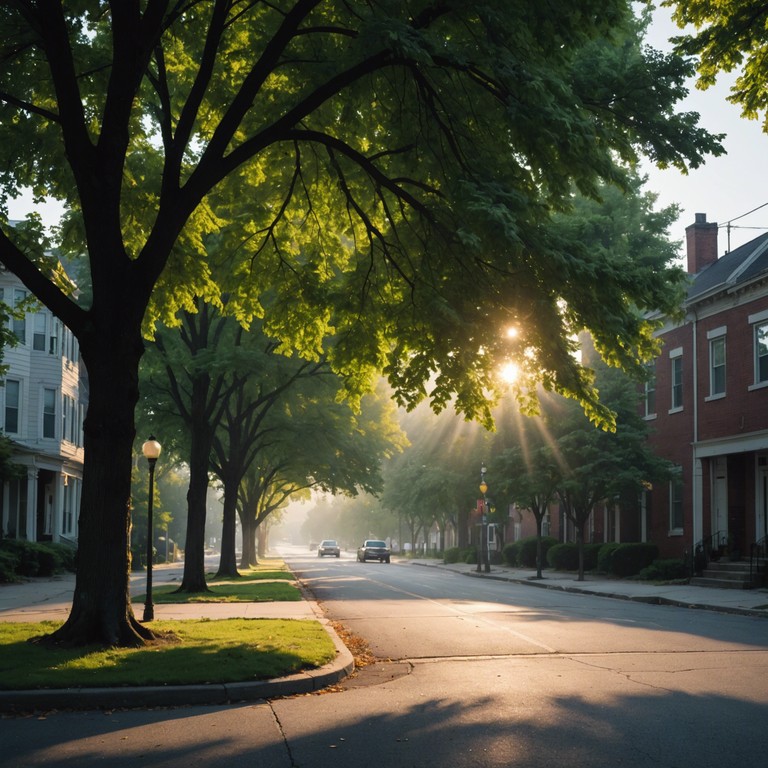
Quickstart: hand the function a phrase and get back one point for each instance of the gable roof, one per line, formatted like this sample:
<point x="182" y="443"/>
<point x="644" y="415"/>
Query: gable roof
<point x="739" y="266"/>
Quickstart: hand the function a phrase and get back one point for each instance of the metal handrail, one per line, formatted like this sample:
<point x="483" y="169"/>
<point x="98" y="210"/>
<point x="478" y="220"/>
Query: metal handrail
<point x="758" y="556"/>
<point x="702" y="552"/>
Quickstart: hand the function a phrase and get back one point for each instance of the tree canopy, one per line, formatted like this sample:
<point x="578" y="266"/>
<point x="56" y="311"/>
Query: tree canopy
<point x="728" y="37"/>
<point x="402" y="164"/>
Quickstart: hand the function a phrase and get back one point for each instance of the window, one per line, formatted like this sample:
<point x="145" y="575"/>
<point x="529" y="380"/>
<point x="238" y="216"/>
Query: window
<point x="53" y="340"/>
<point x="12" y="396"/>
<point x="650" y="391"/>
<point x="716" y="363"/>
<point x="676" y="503"/>
<point x="49" y="413"/>
<point x="38" y="332"/>
<point x="761" y="353"/>
<point x="677" y="382"/>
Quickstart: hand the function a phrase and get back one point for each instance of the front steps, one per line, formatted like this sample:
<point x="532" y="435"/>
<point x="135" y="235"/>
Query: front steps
<point x="725" y="574"/>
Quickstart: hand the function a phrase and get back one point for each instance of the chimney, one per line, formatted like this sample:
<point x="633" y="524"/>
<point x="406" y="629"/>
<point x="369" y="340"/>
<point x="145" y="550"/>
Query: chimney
<point x="701" y="243"/>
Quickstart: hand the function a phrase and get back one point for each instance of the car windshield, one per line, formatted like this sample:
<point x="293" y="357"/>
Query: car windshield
<point x="375" y="544"/>
<point x="328" y="543"/>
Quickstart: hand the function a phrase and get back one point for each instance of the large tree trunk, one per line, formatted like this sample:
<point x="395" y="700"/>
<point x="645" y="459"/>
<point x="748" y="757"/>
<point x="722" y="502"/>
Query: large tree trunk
<point x="262" y="531"/>
<point x="228" y="561"/>
<point x="101" y="607"/>
<point x="248" y="527"/>
<point x="201" y="440"/>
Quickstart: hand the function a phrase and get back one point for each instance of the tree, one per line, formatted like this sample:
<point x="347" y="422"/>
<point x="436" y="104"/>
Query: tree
<point x="412" y="150"/>
<point x="596" y="465"/>
<point x="728" y="37"/>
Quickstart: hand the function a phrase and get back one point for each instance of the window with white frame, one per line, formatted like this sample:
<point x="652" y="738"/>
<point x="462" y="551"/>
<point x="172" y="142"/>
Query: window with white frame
<point x="12" y="406"/>
<point x="53" y="339"/>
<point x="49" y="413"/>
<point x="39" y="332"/>
<point x="676" y="376"/>
<point x="676" y="502"/>
<point x="761" y="353"/>
<point x="650" y="390"/>
<point x="716" y="362"/>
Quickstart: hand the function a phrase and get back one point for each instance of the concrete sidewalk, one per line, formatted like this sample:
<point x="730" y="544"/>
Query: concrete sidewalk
<point x="750" y="602"/>
<point x="50" y="599"/>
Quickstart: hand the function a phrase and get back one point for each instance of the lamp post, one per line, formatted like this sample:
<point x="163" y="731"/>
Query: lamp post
<point x="151" y="450"/>
<point x="484" y="526"/>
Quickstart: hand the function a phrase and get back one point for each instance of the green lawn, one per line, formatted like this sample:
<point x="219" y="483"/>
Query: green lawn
<point x="202" y="651"/>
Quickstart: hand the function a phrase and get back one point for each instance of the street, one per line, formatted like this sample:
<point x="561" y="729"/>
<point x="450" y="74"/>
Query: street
<point x="469" y="673"/>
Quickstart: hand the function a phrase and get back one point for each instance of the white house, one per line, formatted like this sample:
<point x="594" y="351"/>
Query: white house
<point x="42" y="405"/>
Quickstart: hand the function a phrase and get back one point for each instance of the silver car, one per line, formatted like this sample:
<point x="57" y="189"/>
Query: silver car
<point x="328" y="547"/>
<point x="373" y="549"/>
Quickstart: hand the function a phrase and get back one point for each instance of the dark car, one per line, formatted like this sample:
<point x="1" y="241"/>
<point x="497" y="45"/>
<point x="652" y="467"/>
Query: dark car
<point x="328" y="547"/>
<point x="373" y="549"/>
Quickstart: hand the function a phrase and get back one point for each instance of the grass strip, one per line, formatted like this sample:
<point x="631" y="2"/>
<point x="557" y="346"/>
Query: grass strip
<point x="205" y="651"/>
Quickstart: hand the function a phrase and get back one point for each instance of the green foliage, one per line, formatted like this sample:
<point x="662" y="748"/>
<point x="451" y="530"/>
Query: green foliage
<point x="564" y="557"/>
<point x="664" y="570"/>
<point x="528" y="549"/>
<point x="511" y="552"/>
<point x="31" y="558"/>
<point x="629" y="559"/>
<point x="330" y="148"/>
<point x="728" y="37"/>
<point x="459" y="554"/>
<point x="591" y="554"/>
<point x="605" y="557"/>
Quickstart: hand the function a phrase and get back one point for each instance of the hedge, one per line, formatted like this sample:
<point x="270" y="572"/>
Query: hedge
<point x="20" y="558"/>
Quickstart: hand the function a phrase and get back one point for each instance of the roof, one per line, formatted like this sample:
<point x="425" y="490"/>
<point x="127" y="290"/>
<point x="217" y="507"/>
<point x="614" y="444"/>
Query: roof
<point x="739" y="266"/>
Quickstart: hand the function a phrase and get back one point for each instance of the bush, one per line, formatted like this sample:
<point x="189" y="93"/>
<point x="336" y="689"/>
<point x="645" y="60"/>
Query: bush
<point x="510" y="553"/>
<point x="664" y="570"/>
<point x="32" y="558"/>
<point x="564" y="557"/>
<point x="452" y="555"/>
<point x="605" y="557"/>
<point x="9" y="564"/>
<point x="591" y="555"/>
<point x="527" y="552"/>
<point x="471" y="556"/>
<point x="630" y="559"/>
<point x="459" y="555"/>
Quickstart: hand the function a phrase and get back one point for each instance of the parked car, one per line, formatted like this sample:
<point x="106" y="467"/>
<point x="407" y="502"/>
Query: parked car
<point x="373" y="549"/>
<point x="328" y="547"/>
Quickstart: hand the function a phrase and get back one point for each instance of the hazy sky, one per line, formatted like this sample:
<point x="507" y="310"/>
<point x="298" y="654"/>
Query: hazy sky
<point x="725" y="189"/>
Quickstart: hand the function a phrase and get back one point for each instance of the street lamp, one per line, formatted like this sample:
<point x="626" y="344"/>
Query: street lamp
<point x="151" y="450"/>
<point x="486" y="565"/>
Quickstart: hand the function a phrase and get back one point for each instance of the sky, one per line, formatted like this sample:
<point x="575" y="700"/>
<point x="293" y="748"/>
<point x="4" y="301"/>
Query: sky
<point x="728" y="189"/>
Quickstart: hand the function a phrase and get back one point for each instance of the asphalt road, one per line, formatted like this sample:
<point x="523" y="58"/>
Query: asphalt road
<point x="471" y="674"/>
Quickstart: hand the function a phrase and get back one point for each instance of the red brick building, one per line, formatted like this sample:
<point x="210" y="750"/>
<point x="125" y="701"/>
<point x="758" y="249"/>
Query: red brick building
<point x="708" y="404"/>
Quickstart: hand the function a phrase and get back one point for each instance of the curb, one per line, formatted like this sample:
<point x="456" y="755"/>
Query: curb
<point x="648" y="599"/>
<point x="304" y="682"/>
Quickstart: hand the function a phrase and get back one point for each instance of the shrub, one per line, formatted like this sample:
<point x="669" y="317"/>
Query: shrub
<point x="452" y="555"/>
<point x="591" y="555"/>
<point x="664" y="570"/>
<point x="605" y="557"/>
<point x="9" y="564"/>
<point x="510" y="553"/>
<point x="630" y="559"/>
<point x="527" y="553"/>
<point x="471" y="556"/>
<point x="32" y="558"/>
<point x="564" y="557"/>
